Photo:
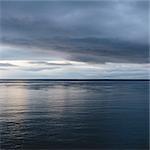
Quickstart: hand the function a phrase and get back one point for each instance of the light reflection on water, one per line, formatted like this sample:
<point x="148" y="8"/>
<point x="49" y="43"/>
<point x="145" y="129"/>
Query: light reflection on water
<point x="46" y="114"/>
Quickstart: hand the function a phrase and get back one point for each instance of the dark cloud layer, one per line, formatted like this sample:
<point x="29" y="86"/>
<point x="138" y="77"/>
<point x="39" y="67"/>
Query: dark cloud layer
<point x="98" y="32"/>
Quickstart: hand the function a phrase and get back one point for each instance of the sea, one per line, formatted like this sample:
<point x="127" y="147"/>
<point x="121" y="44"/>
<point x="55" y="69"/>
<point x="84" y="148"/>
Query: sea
<point x="74" y="114"/>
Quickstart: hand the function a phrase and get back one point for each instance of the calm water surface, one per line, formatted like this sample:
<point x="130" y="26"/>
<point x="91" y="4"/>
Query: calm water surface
<point x="41" y="114"/>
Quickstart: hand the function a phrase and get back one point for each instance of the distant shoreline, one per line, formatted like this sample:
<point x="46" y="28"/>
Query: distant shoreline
<point x="76" y="79"/>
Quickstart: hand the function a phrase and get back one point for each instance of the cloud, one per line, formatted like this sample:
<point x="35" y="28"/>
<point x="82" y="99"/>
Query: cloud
<point x="7" y="65"/>
<point x="94" y="32"/>
<point x="84" y="71"/>
<point x="51" y="63"/>
<point x="34" y="69"/>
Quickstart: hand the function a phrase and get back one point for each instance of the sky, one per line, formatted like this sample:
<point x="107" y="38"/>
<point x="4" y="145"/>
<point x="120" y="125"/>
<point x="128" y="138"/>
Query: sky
<point x="74" y="39"/>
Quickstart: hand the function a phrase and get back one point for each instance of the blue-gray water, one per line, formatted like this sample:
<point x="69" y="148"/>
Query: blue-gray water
<point x="42" y="114"/>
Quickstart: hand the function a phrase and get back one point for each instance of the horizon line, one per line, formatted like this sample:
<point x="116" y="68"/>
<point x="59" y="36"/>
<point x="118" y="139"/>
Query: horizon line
<point x="80" y="79"/>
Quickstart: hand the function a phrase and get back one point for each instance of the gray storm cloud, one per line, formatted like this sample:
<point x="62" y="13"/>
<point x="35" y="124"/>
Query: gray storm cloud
<point x="98" y="32"/>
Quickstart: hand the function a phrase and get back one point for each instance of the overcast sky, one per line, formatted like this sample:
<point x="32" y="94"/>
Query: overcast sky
<point x="76" y="39"/>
